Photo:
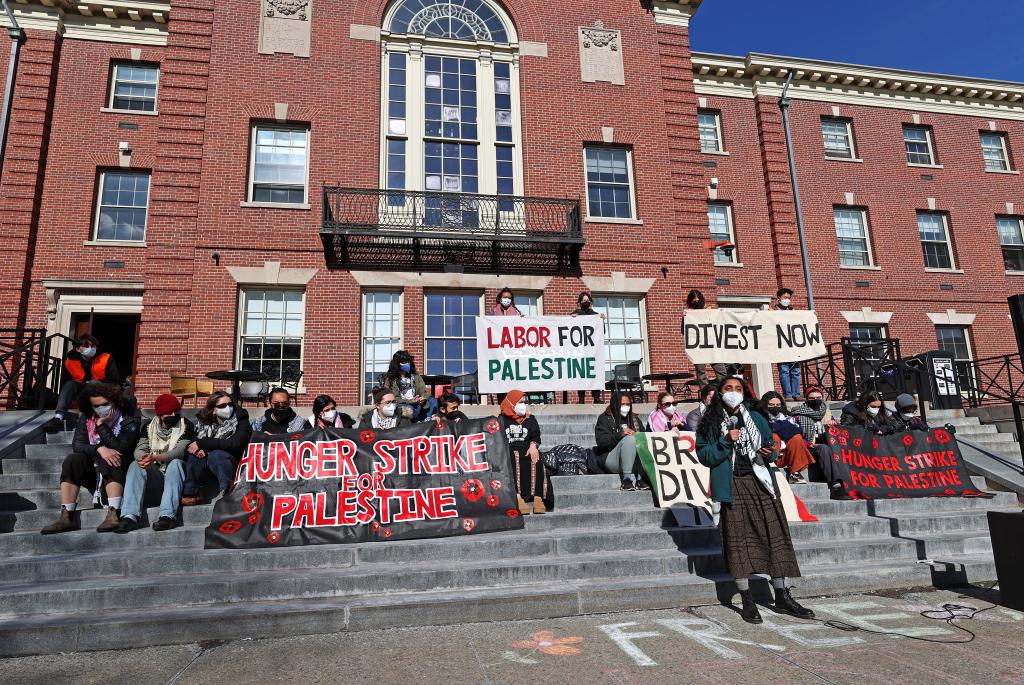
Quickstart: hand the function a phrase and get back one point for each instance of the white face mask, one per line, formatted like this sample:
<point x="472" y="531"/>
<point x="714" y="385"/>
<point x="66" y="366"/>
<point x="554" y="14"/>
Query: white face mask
<point x="908" y="415"/>
<point x="388" y="410"/>
<point x="624" y="410"/>
<point x="873" y="411"/>
<point x="785" y="302"/>
<point x="329" y="415"/>
<point x="103" y="411"/>
<point x="88" y="352"/>
<point x="669" y="410"/>
<point x="506" y="302"/>
<point x="225" y="412"/>
<point x="732" y="399"/>
<point x="520" y="409"/>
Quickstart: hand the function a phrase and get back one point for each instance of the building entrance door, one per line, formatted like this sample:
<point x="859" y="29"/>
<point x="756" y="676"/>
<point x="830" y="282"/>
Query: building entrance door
<point x="118" y="335"/>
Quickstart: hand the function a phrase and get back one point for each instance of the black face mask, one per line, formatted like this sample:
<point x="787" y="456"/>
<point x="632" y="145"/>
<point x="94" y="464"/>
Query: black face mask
<point x="282" y="412"/>
<point x="584" y="305"/>
<point x="814" y="404"/>
<point x="171" y="421"/>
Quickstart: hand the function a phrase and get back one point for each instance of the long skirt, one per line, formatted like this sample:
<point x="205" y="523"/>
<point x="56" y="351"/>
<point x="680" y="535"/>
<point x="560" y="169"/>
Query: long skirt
<point x="531" y="479"/>
<point x="796" y="457"/>
<point x="755" y="535"/>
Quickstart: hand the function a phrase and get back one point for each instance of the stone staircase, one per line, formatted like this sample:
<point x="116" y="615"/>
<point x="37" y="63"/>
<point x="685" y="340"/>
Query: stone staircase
<point x="601" y="550"/>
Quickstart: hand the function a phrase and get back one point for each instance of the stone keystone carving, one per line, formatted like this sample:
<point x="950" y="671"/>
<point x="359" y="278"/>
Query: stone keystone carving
<point x="285" y="27"/>
<point x="601" y="54"/>
<point x="288" y="8"/>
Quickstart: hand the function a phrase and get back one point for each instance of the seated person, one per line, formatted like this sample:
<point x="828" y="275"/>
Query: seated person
<point x="280" y="418"/>
<point x="665" y="417"/>
<point x="84" y="364"/>
<point x="523" y="433"/>
<point x="868" y="412"/>
<point x="326" y="415"/>
<point x="159" y="461"/>
<point x="102" y="448"/>
<point x="813" y="416"/>
<point x="384" y="413"/>
<point x="707" y="393"/>
<point x="615" y="435"/>
<point x="408" y="386"/>
<point x="794" y="455"/>
<point x="448" y="403"/>
<point x="905" y="418"/>
<point x="222" y="436"/>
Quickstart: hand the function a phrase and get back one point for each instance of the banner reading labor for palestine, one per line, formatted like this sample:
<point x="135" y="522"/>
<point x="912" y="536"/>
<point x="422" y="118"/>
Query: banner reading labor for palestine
<point x="329" y="486"/>
<point x="914" y="464"/>
<point x="540" y="354"/>
<point x="726" y="336"/>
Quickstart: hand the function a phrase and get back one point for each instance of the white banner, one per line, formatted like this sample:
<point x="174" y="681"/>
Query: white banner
<point x="540" y="354"/>
<point x="680" y="482"/>
<point x="726" y="336"/>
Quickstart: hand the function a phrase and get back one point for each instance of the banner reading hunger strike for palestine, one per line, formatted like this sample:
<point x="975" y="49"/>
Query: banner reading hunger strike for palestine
<point x="540" y="354"/>
<point x="726" y="336"/>
<point x="327" y="486"/>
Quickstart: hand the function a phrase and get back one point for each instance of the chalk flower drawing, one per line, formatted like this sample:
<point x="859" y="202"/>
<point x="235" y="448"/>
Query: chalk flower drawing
<point x="544" y="641"/>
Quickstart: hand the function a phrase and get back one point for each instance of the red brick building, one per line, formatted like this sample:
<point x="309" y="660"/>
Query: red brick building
<point x="313" y="184"/>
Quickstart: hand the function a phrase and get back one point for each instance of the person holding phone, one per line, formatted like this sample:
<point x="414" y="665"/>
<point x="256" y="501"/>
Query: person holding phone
<point x="735" y="441"/>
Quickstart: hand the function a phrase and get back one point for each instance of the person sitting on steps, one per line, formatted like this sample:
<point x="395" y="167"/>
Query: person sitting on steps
<point x="615" y="435"/>
<point x="83" y="364"/>
<point x="665" y="417"/>
<point x="326" y="415"/>
<point x="693" y="418"/>
<point x="222" y="435"/>
<point x="408" y="386"/>
<point x="523" y="434"/>
<point x="160" y="461"/>
<point x="280" y="418"/>
<point x="384" y="413"/>
<point x="794" y="455"/>
<point x="101" y="451"/>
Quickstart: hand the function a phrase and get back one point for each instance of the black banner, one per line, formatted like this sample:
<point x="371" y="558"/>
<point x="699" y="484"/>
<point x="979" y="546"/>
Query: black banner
<point x="914" y="464"/>
<point x="331" y="486"/>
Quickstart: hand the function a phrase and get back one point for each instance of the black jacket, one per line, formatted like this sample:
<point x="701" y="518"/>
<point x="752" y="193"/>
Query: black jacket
<point x="879" y="425"/>
<point x="608" y="431"/>
<point x="234" y="444"/>
<point x="124" y="442"/>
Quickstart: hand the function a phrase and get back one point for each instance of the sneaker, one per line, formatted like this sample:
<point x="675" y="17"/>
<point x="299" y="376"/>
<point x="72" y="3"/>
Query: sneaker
<point x="110" y="522"/>
<point x="627" y="486"/>
<point x="164" y="523"/>
<point x="642" y="485"/>
<point x="796" y="479"/>
<point x="838" y="492"/>
<point x="54" y="425"/>
<point x="127" y="524"/>
<point x="66" y="521"/>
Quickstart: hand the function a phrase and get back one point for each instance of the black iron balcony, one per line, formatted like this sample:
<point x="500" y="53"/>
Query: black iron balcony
<point x="433" y="231"/>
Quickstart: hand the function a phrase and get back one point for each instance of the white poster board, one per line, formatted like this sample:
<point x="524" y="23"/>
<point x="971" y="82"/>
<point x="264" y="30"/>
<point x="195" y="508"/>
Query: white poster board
<point x="727" y="336"/>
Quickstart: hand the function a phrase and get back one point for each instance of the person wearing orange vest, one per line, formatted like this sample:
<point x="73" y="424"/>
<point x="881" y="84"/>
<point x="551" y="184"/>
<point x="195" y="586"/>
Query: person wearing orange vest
<point x="84" y="363"/>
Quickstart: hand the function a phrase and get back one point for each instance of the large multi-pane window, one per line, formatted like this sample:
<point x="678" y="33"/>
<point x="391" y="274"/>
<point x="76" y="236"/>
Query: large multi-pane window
<point x="133" y="87"/>
<point x="382" y="335"/>
<point x="838" y="138"/>
<point x="122" y="204"/>
<point x="279" y="163"/>
<point x="623" y="329"/>
<point x="609" y="182"/>
<point x="720" y="224"/>
<point x="709" y="124"/>
<point x="867" y="333"/>
<point x="995" y="152"/>
<point x="852" y="236"/>
<point x="270" y="332"/>
<point x="1011" y="238"/>
<point x="935" y="242"/>
<point x="956" y="340"/>
<point x="528" y="304"/>
<point x="451" y="332"/>
<point x="918" y="142"/>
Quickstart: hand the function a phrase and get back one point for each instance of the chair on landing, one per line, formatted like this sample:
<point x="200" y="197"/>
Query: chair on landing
<point x="467" y="387"/>
<point x="204" y="388"/>
<point x="253" y="391"/>
<point x="290" y="381"/>
<point x="184" y="387"/>
<point x="625" y="378"/>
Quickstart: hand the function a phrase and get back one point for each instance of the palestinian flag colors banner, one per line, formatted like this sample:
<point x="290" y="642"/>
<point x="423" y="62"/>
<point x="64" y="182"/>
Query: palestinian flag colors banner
<point x="913" y="464"/>
<point x="331" y="486"/>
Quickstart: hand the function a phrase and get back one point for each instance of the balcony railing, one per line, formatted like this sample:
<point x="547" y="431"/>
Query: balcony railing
<point x="435" y="231"/>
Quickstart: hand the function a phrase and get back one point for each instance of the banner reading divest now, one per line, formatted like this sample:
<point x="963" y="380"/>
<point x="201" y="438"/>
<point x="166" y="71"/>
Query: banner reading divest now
<point x="726" y="336"/>
<point x="540" y="354"/>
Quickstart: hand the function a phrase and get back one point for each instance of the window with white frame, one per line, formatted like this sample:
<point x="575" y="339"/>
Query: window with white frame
<point x="122" y="206"/>
<point x="382" y="335"/>
<point x="623" y="326"/>
<point x="852" y="236"/>
<point x="450" y="340"/>
<point x="938" y="249"/>
<point x="451" y="116"/>
<point x="271" y="332"/>
<point x="1011" y="239"/>
<point x="838" y="138"/>
<point x="918" y="142"/>
<point x="995" y="151"/>
<point x="720" y="224"/>
<point x="867" y="333"/>
<point x="709" y="124"/>
<point x="956" y="340"/>
<point x="609" y="182"/>
<point x="133" y="87"/>
<point x="279" y="164"/>
<point x="528" y="304"/>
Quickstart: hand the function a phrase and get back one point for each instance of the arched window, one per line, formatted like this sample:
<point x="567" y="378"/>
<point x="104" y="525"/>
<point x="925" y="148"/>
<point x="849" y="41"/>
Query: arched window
<point x="450" y="105"/>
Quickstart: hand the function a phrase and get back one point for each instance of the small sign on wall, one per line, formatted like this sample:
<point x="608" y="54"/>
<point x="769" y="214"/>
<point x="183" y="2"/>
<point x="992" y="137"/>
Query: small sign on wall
<point x="601" y="54"/>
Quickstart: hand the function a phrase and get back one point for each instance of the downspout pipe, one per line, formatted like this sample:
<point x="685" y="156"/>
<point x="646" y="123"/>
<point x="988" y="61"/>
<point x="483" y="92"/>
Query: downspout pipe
<point x="17" y="36"/>
<point x="784" y="106"/>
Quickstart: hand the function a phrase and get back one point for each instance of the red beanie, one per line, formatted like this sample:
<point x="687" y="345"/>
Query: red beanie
<point x="167" y="404"/>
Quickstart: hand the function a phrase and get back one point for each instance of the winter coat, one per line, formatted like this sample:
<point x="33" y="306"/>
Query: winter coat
<point x="236" y="443"/>
<point x="366" y="420"/>
<point x="879" y="425"/>
<point x="124" y="442"/>
<point x="715" y="452"/>
<point x="608" y="431"/>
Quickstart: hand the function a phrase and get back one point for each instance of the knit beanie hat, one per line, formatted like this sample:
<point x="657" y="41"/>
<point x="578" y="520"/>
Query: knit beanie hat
<point x="905" y="400"/>
<point x="167" y="404"/>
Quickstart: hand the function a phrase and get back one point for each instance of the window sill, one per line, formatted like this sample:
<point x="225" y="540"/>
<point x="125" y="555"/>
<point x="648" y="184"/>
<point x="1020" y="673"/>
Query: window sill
<point x="720" y="153"/>
<point x="932" y="270"/>
<point x="114" y="243"/>
<point x="855" y="160"/>
<point x="111" y="110"/>
<point x="610" y="220"/>
<point x="1008" y="172"/>
<point x="925" y="166"/>
<point x="860" y="268"/>
<point x="730" y="265"/>
<point x="274" y="205"/>
<point x="1015" y="273"/>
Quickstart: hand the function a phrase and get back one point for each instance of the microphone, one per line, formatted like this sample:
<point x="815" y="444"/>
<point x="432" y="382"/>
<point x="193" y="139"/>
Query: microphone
<point x="734" y="422"/>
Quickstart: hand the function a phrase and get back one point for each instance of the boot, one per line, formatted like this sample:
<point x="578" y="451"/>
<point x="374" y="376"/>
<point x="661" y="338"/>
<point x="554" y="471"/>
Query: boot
<point x="111" y="522"/>
<point x="68" y="520"/>
<point x="838" y="492"/>
<point x="54" y="425"/>
<point x="785" y="604"/>
<point x="538" y="506"/>
<point x="524" y="508"/>
<point x="749" y="612"/>
<point x="127" y="525"/>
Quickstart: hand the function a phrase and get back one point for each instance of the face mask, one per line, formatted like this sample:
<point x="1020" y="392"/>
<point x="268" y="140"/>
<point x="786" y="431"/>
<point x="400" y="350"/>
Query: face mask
<point x="103" y="411"/>
<point x="873" y="411"/>
<point x="88" y="352"/>
<point x="908" y="415"/>
<point x="520" y="409"/>
<point x="406" y="368"/>
<point x="225" y="412"/>
<point x="388" y="410"/>
<point x="624" y="410"/>
<point x="733" y="399"/>
<point x="329" y="415"/>
<point x="171" y="421"/>
<point x="669" y="410"/>
<point x="506" y="302"/>
<point x="785" y="302"/>
<point x="585" y="304"/>
<point x="814" y="404"/>
<point x="775" y="411"/>
<point x="281" y="411"/>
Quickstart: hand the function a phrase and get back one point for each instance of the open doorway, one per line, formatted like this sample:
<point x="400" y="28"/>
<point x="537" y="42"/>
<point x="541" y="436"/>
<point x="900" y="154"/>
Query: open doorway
<point x="118" y="335"/>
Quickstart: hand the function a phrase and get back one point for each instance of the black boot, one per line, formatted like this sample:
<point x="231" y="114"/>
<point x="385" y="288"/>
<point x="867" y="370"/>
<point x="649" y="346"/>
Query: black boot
<point x="749" y="612"/>
<point x="785" y="604"/>
<point x="837" y="491"/>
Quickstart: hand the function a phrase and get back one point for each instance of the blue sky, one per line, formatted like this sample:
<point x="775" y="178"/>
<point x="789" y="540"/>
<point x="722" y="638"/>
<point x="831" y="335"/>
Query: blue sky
<point x="976" y="38"/>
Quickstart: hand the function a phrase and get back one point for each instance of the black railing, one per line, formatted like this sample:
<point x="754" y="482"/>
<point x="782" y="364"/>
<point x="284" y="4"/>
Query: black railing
<point x="21" y="373"/>
<point x="852" y="367"/>
<point x="436" y="231"/>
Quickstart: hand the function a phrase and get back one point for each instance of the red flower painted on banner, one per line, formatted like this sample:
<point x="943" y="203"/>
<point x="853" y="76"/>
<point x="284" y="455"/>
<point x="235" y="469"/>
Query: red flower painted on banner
<point x="273" y="538"/>
<point x="833" y="430"/>
<point x="251" y="502"/>
<point x="856" y="442"/>
<point x="492" y="426"/>
<point x="375" y="526"/>
<point x="846" y="433"/>
<point x="492" y="500"/>
<point x="254" y="518"/>
<point x="512" y="513"/>
<point x="495" y="485"/>
<point x="473" y="489"/>
<point x="874" y="443"/>
<point x="831" y="441"/>
<point x="908" y="440"/>
<point x="468" y="525"/>
<point x="230" y="527"/>
<point x="387" y="533"/>
<point x="942" y="436"/>
<point x="367" y="436"/>
<point x="843" y="441"/>
<point x="929" y="441"/>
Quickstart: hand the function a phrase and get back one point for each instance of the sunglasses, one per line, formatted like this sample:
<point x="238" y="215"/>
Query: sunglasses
<point x="221" y="406"/>
<point x="668" y="404"/>
<point x="280" y="405"/>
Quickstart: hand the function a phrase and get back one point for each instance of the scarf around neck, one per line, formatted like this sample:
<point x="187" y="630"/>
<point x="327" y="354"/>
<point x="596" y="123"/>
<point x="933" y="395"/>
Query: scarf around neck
<point x="750" y="443"/>
<point x="218" y="430"/>
<point x="508" y="406"/>
<point x="114" y="423"/>
<point x="161" y="439"/>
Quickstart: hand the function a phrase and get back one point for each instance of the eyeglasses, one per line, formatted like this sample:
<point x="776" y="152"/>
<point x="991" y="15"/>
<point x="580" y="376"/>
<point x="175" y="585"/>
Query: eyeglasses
<point x="668" y="404"/>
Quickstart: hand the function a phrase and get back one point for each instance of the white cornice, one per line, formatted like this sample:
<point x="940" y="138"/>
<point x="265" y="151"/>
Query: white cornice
<point x="676" y="13"/>
<point x="141" y="22"/>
